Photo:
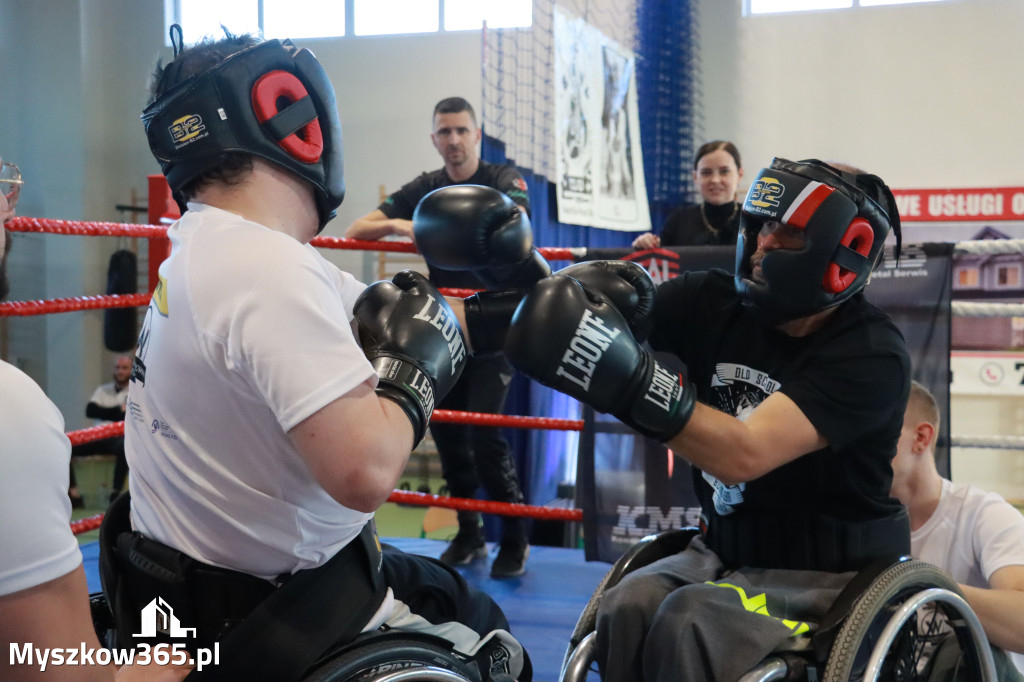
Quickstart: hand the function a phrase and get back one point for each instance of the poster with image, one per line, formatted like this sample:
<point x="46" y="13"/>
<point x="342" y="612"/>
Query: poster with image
<point x="599" y="166"/>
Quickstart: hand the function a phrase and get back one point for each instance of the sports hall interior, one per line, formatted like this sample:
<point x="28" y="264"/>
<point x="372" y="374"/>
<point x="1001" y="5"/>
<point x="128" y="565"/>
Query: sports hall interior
<point x="925" y="95"/>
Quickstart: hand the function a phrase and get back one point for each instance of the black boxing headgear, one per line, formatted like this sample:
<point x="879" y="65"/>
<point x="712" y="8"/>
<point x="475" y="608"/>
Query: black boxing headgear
<point x="845" y="217"/>
<point x="272" y="100"/>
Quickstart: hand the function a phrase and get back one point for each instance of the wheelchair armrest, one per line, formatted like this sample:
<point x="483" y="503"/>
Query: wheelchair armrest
<point x="650" y="549"/>
<point x="826" y="632"/>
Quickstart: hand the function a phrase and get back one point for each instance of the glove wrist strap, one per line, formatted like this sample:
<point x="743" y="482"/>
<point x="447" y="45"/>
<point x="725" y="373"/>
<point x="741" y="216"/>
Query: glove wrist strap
<point x="403" y="382"/>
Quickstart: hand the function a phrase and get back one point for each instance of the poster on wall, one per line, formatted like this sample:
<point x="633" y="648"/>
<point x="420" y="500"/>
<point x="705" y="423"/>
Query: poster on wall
<point x="599" y="167"/>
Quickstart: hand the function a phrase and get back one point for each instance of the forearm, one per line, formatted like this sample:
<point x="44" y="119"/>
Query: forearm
<point x="1001" y="613"/>
<point x="459" y="308"/>
<point x="371" y="229"/>
<point x="110" y="414"/>
<point x="719" y="444"/>
<point x="735" y="451"/>
<point x="54" y="615"/>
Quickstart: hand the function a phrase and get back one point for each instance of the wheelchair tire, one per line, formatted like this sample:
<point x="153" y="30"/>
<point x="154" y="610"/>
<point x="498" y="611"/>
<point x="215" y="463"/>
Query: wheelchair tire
<point x="376" y="659"/>
<point x="856" y="639"/>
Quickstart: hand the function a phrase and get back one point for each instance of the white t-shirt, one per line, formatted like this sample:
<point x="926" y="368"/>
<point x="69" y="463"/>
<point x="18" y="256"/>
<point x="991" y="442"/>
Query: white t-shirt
<point x="107" y="395"/>
<point x="972" y="534"/>
<point x="36" y="542"/>
<point x="248" y="334"/>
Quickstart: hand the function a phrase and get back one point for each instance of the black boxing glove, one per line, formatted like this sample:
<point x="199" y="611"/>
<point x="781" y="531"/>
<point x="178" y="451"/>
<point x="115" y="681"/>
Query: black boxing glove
<point x="628" y="287"/>
<point x="413" y="340"/>
<point x="478" y="229"/>
<point x="574" y="340"/>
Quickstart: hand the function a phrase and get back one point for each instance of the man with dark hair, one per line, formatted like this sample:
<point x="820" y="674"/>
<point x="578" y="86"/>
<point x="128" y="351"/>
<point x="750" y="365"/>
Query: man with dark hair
<point x="274" y="399"/>
<point x="794" y="486"/>
<point x="470" y="455"/>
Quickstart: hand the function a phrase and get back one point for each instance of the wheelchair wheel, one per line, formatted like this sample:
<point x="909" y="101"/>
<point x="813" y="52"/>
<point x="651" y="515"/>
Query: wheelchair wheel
<point x="916" y="638"/>
<point x="388" y="658"/>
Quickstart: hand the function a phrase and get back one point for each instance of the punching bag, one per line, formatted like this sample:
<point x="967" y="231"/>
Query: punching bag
<point x="120" y="324"/>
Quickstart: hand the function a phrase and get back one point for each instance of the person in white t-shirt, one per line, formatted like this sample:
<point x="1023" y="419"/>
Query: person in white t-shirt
<point x="974" y="535"/>
<point x="44" y="600"/>
<point x="107" y="404"/>
<point x="274" y="399"/>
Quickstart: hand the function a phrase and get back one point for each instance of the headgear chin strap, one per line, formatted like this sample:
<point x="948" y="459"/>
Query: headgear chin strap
<point x="272" y="100"/>
<point x="846" y="218"/>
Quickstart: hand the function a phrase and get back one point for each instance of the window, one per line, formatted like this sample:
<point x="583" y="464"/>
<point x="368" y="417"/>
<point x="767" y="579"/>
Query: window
<point x="967" y="277"/>
<point x="303" y="19"/>
<point x="469" y="15"/>
<point x="1008" y="276"/>
<point x="774" y="6"/>
<point x="333" y="18"/>
<point x="770" y="6"/>
<point x="382" y="17"/>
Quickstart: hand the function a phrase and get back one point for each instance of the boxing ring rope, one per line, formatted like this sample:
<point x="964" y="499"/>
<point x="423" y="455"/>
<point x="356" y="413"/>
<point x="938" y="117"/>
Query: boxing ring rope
<point x="157" y="234"/>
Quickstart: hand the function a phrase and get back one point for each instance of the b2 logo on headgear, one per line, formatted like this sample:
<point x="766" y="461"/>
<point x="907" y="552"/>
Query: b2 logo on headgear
<point x="186" y="128"/>
<point x="766" y="192"/>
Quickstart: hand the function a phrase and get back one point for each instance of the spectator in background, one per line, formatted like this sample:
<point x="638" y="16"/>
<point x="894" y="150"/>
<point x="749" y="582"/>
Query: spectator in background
<point x="976" y="536"/>
<point x="717" y="171"/>
<point x="469" y="454"/>
<point x="106" y="405"/>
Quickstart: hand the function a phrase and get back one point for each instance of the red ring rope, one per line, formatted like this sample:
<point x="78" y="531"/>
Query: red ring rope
<point x="101" y="229"/>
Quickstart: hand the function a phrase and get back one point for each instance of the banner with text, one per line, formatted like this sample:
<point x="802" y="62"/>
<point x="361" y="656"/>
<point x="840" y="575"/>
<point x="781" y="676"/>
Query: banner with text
<point x="977" y="204"/>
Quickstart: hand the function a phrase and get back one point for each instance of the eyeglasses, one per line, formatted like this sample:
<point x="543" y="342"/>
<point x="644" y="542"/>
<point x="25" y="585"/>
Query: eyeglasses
<point x="10" y="183"/>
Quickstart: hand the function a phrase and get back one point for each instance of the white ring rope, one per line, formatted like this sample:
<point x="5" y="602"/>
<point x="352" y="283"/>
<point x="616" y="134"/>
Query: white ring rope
<point x="999" y="442"/>
<point x="973" y="309"/>
<point x="990" y="246"/>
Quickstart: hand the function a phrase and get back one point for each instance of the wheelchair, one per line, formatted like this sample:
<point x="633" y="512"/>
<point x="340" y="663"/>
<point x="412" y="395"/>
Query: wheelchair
<point x="879" y="627"/>
<point x="381" y="656"/>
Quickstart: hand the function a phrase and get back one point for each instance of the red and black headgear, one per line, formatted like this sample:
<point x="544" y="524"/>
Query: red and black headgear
<point x="846" y="218"/>
<point x="272" y="100"/>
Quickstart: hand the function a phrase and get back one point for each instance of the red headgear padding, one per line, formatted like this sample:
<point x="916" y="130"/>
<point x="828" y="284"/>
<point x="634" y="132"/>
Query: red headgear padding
<point x="858" y="237"/>
<point x="266" y="95"/>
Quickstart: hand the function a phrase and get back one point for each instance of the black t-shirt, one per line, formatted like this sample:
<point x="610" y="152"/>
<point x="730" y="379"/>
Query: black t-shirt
<point x="850" y="379"/>
<point x="686" y="226"/>
<point x="402" y="203"/>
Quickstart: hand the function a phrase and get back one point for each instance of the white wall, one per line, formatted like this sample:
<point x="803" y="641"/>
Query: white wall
<point x="924" y="95"/>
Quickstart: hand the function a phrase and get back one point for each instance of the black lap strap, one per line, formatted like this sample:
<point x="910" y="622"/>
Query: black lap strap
<point x="302" y="619"/>
<point x="813" y="543"/>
